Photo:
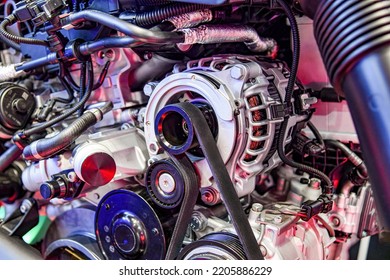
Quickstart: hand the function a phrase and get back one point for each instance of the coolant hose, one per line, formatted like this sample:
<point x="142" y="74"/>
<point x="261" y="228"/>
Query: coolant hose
<point x="9" y="156"/>
<point x="354" y="40"/>
<point x="48" y="147"/>
<point x="132" y="30"/>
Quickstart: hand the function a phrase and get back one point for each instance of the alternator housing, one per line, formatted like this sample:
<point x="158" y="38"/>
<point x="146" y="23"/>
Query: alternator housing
<point x="241" y="90"/>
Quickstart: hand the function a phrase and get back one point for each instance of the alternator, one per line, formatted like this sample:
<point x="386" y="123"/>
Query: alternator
<point x="241" y="93"/>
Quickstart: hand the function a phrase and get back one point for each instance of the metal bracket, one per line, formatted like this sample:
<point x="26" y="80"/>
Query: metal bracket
<point x="23" y="219"/>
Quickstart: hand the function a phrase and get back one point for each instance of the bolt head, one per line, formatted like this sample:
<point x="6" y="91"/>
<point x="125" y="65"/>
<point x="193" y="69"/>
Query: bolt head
<point x="278" y="219"/>
<point x="257" y="207"/>
<point x="237" y="72"/>
<point x="148" y="89"/>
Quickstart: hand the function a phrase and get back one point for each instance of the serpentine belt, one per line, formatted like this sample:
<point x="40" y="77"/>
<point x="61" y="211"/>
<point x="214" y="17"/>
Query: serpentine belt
<point x="222" y="178"/>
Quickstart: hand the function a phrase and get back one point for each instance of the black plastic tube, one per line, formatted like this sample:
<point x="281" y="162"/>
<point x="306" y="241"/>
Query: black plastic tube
<point x="9" y="156"/>
<point x="48" y="147"/>
<point x="158" y="15"/>
<point x="8" y="42"/>
<point x="16" y="39"/>
<point x="132" y="30"/>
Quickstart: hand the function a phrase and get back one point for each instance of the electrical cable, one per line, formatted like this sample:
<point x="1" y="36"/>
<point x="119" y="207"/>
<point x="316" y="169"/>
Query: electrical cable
<point x="11" y="19"/>
<point x="65" y="85"/>
<point x="98" y="84"/>
<point x="316" y="134"/>
<point x="353" y="157"/>
<point x="66" y="114"/>
<point x="289" y="92"/>
<point x="83" y="74"/>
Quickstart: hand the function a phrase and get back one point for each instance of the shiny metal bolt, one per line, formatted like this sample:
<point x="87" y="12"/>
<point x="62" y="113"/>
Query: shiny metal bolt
<point x="72" y="177"/>
<point x="257" y="207"/>
<point x="112" y="249"/>
<point x="106" y="228"/>
<point x="166" y="183"/>
<point x="197" y="223"/>
<point x="26" y="206"/>
<point x="108" y="239"/>
<point x="149" y="88"/>
<point x="278" y="219"/>
<point x="336" y="221"/>
<point x="236" y="72"/>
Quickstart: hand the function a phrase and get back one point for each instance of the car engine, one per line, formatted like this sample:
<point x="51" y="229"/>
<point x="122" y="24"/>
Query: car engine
<point x="154" y="129"/>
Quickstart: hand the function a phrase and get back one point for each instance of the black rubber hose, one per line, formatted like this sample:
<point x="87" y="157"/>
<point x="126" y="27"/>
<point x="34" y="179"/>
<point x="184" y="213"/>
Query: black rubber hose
<point x="132" y="30"/>
<point x="316" y="133"/>
<point x="67" y="113"/>
<point x="16" y="39"/>
<point x="158" y="15"/>
<point x="352" y="157"/>
<point x="289" y="92"/>
<point x="47" y="147"/>
<point x="9" y="156"/>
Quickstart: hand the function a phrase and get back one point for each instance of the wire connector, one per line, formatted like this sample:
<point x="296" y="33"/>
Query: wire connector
<point x="312" y="208"/>
<point x="306" y="146"/>
<point x="279" y="111"/>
